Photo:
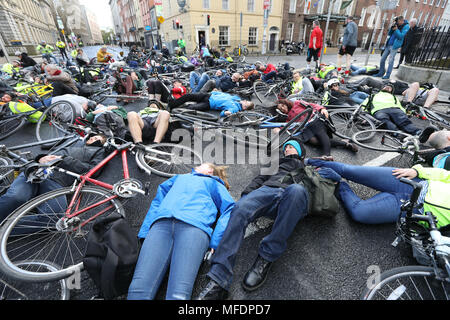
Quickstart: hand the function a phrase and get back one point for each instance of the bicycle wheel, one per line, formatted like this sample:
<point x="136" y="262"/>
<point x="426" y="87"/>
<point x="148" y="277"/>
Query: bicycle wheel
<point x="168" y="159"/>
<point x="437" y="119"/>
<point x="236" y="52"/>
<point x="53" y="122"/>
<point x="200" y="115"/>
<point x="39" y="231"/>
<point x="242" y="119"/>
<point x="6" y="174"/>
<point x="20" y="290"/>
<point x="382" y="140"/>
<point x="346" y="126"/>
<point x="11" y="126"/>
<point x="409" y="283"/>
<point x="290" y="130"/>
<point x="265" y="94"/>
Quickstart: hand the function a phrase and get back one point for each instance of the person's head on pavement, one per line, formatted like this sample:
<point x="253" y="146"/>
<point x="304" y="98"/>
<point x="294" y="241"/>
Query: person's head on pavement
<point x="388" y="87"/>
<point x="294" y="147"/>
<point x="210" y="169"/>
<point x="439" y="139"/>
<point x="53" y="69"/>
<point x="247" y="105"/>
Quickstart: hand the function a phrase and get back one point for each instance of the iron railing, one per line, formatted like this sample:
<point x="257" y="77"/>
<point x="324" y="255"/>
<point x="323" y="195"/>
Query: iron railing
<point x="432" y="49"/>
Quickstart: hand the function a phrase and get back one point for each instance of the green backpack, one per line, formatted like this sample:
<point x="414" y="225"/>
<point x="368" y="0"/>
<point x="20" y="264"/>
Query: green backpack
<point x="323" y="201"/>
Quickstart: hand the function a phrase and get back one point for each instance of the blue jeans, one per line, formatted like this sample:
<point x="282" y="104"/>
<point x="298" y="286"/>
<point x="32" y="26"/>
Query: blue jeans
<point x="197" y="82"/>
<point x="268" y="77"/>
<point x="357" y="70"/>
<point x="381" y="208"/>
<point x="287" y="206"/>
<point x="21" y="192"/>
<point x="359" y="96"/>
<point x="49" y="56"/>
<point x="169" y="242"/>
<point x="391" y="52"/>
<point x="395" y="119"/>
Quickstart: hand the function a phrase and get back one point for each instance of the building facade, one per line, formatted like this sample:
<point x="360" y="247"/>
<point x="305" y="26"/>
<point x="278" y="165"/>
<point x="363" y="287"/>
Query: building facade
<point x="131" y="17"/>
<point x="94" y="28"/>
<point x="298" y="16"/>
<point x="25" y="23"/>
<point x="117" y="21"/>
<point x="445" y="19"/>
<point x="374" y="23"/>
<point x="224" y="28"/>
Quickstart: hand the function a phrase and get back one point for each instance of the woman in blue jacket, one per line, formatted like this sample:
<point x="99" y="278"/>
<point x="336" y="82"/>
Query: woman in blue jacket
<point x="178" y="232"/>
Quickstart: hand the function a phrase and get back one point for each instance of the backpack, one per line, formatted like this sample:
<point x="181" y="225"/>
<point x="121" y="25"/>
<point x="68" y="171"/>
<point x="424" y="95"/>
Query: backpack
<point x="323" y="201"/>
<point x="111" y="255"/>
<point x="112" y="123"/>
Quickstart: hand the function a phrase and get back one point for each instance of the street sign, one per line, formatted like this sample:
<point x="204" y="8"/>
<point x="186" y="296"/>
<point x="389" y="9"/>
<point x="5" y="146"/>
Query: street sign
<point x="266" y="4"/>
<point x="161" y="19"/>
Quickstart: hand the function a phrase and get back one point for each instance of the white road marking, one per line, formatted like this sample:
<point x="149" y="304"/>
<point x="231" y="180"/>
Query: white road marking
<point x="382" y="160"/>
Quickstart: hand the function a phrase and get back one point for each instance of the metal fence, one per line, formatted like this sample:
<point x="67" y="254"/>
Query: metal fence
<point x="432" y="49"/>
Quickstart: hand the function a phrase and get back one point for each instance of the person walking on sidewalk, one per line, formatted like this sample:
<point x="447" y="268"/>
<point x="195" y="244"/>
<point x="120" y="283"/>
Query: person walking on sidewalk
<point x="349" y="44"/>
<point x="315" y="45"/>
<point x="396" y="34"/>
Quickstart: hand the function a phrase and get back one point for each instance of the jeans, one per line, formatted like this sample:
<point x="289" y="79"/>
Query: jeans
<point x="269" y="76"/>
<point x="395" y="119"/>
<point x="169" y="242"/>
<point x="197" y="82"/>
<point x="287" y="206"/>
<point x="381" y="208"/>
<point x="21" y="192"/>
<point x="359" y="96"/>
<point x="357" y="70"/>
<point x="391" y="52"/>
<point x="49" y="56"/>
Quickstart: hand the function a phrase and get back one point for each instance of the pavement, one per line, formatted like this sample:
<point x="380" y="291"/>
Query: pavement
<point x="326" y="259"/>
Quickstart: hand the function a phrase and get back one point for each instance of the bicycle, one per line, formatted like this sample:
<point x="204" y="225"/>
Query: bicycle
<point x="427" y="114"/>
<point x="268" y="94"/>
<point x="54" y="227"/>
<point x="20" y="290"/>
<point x="241" y="50"/>
<point x="430" y="247"/>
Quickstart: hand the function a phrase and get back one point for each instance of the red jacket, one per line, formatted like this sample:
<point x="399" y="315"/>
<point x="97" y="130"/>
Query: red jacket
<point x="178" y="92"/>
<point x="318" y="34"/>
<point x="270" y="67"/>
<point x="298" y="108"/>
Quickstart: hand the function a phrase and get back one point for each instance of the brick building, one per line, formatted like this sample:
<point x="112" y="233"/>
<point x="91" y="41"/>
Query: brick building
<point x="369" y="17"/>
<point x="298" y="16"/>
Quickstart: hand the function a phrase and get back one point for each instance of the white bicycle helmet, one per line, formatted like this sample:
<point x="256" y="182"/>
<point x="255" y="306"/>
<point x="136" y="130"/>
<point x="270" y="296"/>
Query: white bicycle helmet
<point x="332" y="81"/>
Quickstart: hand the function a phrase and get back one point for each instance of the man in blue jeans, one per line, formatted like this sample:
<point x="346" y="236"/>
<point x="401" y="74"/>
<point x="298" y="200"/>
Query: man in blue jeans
<point x="285" y="202"/>
<point x="396" y="35"/>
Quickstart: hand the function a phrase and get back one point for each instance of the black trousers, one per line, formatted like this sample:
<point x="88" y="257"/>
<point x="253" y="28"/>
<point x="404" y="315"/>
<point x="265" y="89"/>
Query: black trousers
<point x="63" y="53"/>
<point x="157" y="87"/>
<point x="201" y="99"/>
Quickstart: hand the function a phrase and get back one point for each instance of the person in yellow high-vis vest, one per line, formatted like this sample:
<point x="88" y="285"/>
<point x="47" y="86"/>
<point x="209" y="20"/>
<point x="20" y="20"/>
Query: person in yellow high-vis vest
<point x="46" y="51"/>
<point x="62" y="49"/>
<point x="18" y="106"/>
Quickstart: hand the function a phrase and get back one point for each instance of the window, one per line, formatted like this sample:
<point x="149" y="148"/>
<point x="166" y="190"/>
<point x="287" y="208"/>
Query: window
<point x="251" y="5"/>
<point x="321" y="5"/>
<point x="224" y="36"/>
<point x="292" y="6"/>
<point x="205" y="4"/>
<point x="424" y="1"/>
<point x="437" y="3"/>
<point x="404" y="13"/>
<point x="307" y="7"/>
<point x="225" y="4"/>
<point x="363" y="16"/>
<point x="252" y="36"/>
<point x="431" y="2"/>
<point x="290" y="32"/>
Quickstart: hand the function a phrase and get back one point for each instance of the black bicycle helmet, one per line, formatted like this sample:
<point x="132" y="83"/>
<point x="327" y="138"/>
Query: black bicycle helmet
<point x="187" y="66"/>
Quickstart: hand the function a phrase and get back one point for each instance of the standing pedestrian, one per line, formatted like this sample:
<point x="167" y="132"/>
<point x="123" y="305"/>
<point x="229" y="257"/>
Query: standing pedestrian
<point x="315" y="44"/>
<point x="182" y="45"/>
<point x="410" y="43"/>
<point x="349" y="44"/>
<point x="62" y="49"/>
<point x="396" y="34"/>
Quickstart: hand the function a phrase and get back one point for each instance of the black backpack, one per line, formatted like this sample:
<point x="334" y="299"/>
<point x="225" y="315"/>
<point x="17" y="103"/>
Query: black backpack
<point x="112" y="124"/>
<point x="111" y="255"/>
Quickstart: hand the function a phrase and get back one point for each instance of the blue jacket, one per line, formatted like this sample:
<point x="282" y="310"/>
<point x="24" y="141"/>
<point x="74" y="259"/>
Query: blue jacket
<point x="399" y="35"/>
<point x="225" y="102"/>
<point x="195" y="199"/>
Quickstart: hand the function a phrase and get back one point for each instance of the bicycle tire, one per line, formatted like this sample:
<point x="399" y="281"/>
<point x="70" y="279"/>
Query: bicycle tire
<point x="378" y="140"/>
<point x="200" y="115"/>
<point x="236" y="52"/>
<point x="11" y="126"/>
<point x="6" y="174"/>
<point x="241" y="119"/>
<point x="49" y="240"/>
<point x="398" y="284"/>
<point x="53" y="122"/>
<point x="169" y="164"/>
<point x="287" y="133"/>
<point x="265" y="94"/>
<point x="345" y="128"/>
<point x="43" y="290"/>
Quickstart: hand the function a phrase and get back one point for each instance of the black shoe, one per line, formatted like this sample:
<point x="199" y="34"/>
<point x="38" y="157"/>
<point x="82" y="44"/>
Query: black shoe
<point x="426" y="133"/>
<point x="257" y="275"/>
<point x="213" y="291"/>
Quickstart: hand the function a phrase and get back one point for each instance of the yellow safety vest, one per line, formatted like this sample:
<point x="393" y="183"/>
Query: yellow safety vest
<point x="60" y="44"/>
<point x="20" y="107"/>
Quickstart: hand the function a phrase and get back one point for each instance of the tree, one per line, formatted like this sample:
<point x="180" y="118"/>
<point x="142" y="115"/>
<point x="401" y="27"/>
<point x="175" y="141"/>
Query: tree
<point x="108" y="36"/>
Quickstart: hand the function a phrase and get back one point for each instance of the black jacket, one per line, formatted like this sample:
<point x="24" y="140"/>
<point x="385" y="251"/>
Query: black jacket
<point x="77" y="158"/>
<point x="27" y="61"/>
<point x="411" y="39"/>
<point x="286" y="166"/>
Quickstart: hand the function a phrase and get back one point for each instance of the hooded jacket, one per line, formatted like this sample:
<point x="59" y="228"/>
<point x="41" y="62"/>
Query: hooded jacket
<point x="225" y="102"/>
<point x="399" y="35"/>
<point x="195" y="199"/>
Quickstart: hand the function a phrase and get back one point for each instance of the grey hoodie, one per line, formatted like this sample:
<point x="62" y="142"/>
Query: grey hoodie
<point x="350" y="35"/>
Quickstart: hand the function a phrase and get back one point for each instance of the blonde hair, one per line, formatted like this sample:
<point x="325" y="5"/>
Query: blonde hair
<point x="221" y="172"/>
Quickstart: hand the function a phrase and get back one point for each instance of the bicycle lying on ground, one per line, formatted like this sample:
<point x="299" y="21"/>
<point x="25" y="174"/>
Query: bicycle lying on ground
<point x="421" y="282"/>
<point x="54" y="227"/>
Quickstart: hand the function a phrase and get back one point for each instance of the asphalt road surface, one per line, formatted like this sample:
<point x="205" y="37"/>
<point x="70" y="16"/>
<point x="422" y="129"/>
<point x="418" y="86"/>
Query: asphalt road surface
<point x="326" y="259"/>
